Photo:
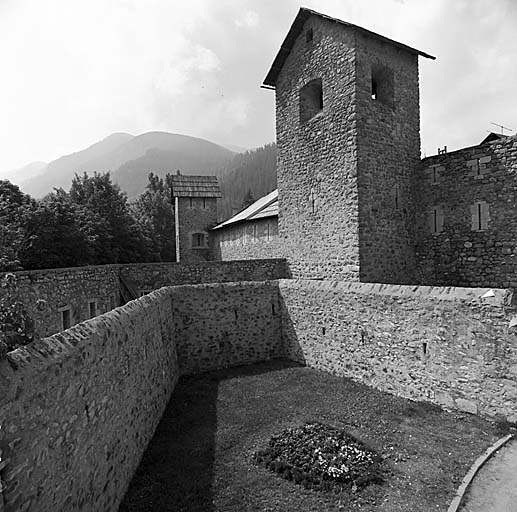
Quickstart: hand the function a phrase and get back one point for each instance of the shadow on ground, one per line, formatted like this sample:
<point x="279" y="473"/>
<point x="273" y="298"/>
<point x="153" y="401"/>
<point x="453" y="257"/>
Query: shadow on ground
<point x="177" y="469"/>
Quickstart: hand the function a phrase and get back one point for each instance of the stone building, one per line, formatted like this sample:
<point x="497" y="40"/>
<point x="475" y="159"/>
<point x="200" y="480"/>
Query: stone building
<point x="356" y="201"/>
<point x="195" y="212"/>
<point x="252" y="233"/>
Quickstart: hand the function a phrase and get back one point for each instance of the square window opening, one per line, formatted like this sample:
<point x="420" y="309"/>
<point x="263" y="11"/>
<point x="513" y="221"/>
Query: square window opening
<point x="198" y="240"/>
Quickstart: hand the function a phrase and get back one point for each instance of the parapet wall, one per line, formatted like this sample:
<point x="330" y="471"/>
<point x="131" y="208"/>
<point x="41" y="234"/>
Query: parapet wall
<point x="444" y="345"/>
<point x="78" y="409"/>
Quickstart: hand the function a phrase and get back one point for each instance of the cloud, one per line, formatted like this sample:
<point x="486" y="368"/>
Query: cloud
<point x="250" y="19"/>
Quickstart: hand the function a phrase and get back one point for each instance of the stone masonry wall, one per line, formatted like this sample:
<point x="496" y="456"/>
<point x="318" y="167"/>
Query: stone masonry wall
<point x="388" y="151"/>
<point x="448" y="186"/>
<point x="78" y="409"/>
<point x="444" y="345"/>
<point x="248" y="240"/>
<point x="317" y="171"/>
<point x="226" y="324"/>
<point x="76" y="287"/>
<point x="196" y="215"/>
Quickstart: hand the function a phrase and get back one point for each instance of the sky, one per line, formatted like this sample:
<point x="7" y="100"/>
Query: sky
<point x="75" y="71"/>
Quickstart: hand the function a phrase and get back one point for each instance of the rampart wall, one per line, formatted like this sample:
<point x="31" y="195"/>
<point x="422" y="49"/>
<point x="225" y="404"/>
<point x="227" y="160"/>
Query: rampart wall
<point x="444" y="345"/>
<point x="78" y="409"/>
<point x="76" y="288"/>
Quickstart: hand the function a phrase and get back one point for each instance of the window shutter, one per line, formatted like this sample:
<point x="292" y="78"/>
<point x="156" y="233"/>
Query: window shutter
<point x="485" y="215"/>
<point x="474" y="212"/>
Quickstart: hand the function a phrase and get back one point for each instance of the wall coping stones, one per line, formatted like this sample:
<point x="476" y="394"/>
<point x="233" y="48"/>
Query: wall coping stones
<point x="501" y="296"/>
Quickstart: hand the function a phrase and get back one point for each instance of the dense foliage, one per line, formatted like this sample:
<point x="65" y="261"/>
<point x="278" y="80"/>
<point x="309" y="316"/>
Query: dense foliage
<point x="16" y="325"/>
<point x="320" y="456"/>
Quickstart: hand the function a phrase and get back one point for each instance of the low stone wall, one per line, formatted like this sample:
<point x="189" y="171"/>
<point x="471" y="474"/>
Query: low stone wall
<point x="227" y="324"/>
<point x="79" y="408"/>
<point x="150" y="276"/>
<point x="444" y="345"/>
<point x="77" y="289"/>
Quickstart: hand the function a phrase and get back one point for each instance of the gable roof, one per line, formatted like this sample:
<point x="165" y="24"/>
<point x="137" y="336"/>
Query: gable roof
<point x="266" y="206"/>
<point x="195" y="186"/>
<point x="493" y="136"/>
<point x="297" y="27"/>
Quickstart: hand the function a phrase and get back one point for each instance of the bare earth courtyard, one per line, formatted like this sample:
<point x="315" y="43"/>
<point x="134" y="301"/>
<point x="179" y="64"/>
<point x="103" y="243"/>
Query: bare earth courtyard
<point x="200" y="458"/>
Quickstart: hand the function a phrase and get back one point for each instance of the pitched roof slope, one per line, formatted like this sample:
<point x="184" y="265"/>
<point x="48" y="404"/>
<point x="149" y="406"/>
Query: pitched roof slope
<point x="195" y="186"/>
<point x="297" y="27"/>
<point x="266" y="206"/>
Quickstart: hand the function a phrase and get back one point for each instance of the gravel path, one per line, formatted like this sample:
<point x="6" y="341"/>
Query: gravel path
<point x="494" y="489"/>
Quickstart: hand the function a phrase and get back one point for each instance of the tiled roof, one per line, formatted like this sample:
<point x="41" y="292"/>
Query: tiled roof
<point x="297" y="27"/>
<point x="195" y="186"/>
<point x="266" y="206"/>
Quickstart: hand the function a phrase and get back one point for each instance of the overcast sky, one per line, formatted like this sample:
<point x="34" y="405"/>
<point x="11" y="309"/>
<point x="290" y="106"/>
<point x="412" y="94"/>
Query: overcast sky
<point x="75" y="71"/>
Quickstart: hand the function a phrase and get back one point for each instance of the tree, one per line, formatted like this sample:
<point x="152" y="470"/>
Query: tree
<point x="153" y="212"/>
<point x="248" y="199"/>
<point x="17" y="328"/>
<point x="105" y="218"/>
<point x="53" y="235"/>
<point x="14" y="207"/>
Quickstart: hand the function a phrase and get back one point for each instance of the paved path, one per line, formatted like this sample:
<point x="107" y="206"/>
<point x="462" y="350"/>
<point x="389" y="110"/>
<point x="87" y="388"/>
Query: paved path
<point x="494" y="488"/>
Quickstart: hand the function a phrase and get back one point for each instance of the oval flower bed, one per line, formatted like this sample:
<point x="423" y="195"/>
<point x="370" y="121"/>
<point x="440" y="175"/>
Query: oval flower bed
<point x="320" y="456"/>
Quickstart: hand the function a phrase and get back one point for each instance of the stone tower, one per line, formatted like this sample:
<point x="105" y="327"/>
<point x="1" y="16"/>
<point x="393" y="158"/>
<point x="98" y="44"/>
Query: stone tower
<point x="348" y="135"/>
<point x="195" y="211"/>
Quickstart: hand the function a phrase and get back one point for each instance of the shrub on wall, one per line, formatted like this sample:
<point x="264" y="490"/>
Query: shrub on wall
<point x="16" y="325"/>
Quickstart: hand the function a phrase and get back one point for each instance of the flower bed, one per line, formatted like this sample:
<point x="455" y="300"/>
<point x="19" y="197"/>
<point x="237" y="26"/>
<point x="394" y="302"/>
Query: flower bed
<point x="320" y="456"/>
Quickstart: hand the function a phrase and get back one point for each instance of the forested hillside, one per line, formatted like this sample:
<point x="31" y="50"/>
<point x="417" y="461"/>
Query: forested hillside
<point x="253" y="171"/>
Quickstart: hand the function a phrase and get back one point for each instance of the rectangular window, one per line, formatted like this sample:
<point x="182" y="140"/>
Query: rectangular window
<point x="311" y="100"/>
<point x="92" y="309"/>
<point x="198" y="240"/>
<point x="435" y="220"/>
<point x="190" y="202"/>
<point x="66" y="318"/>
<point x="204" y="203"/>
<point x="268" y="232"/>
<point x="480" y="216"/>
<point x="255" y="232"/>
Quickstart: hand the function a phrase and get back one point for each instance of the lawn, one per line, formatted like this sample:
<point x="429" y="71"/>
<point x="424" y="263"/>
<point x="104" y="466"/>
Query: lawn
<point x="201" y="457"/>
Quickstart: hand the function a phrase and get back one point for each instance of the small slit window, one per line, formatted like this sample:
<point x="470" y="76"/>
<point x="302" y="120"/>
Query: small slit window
<point x="309" y="35"/>
<point x="311" y="100"/>
<point x="435" y="220"/>
<point x="92" y="309"/>
<point x="198" y="240"/>
<point x="66" y="318"/>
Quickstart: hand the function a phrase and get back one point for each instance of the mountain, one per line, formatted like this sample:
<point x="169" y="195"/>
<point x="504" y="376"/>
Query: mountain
<point x="23" y="173"/>
<point x="130" y="159"/>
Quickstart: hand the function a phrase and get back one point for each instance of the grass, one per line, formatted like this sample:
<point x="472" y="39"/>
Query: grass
<point x="201" y="457"/>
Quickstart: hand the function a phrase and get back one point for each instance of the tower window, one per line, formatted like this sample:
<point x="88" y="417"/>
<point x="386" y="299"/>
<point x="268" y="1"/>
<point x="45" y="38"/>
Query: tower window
<point x="381" y="88"/>
<point x="198" y="240"/>
<point x="311" y="100"/>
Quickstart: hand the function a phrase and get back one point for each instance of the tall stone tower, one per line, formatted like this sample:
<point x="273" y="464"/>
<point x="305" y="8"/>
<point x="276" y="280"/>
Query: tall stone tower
<point x="348" y="135"/>
<point x="195" y="212"/>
